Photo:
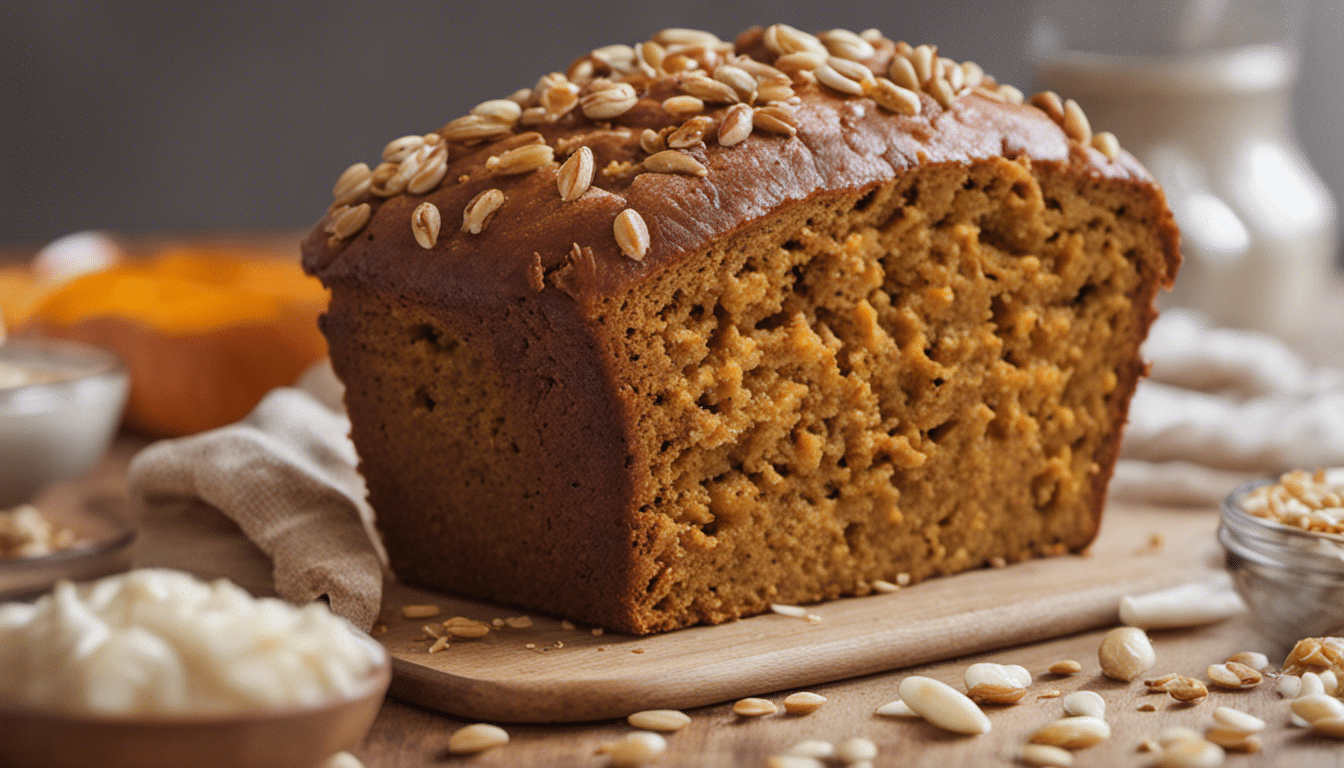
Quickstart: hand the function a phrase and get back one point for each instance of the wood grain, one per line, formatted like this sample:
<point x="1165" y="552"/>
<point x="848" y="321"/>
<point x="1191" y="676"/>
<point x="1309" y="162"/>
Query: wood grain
<point x="571" y="675"/>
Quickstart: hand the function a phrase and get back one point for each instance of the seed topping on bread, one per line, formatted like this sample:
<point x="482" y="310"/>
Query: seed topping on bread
<point x="696" y="90"/>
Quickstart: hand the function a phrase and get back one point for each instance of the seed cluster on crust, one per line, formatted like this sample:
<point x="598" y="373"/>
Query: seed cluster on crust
<point x="721" y="92"/>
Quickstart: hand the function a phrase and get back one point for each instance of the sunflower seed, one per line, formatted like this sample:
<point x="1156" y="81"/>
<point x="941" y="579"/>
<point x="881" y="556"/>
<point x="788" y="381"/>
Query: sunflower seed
<point x="1232" y="675"/>
<point x="501" y="110"/>
<point x="480" y="210"/>
<point x="742" y="83"/>
<point x="347" y="220"/>
<point x="632" y="235"/>
<point x="1088" y="703"/>
<point x="1126" y="653"/>
<point x="352" y="183"/>
<point x="674" y="161"/>
<point x="709" y="90"/>
<point x="846" y="44"/>
<point x="753" y="707"/>
<point x="736" y="126"/>
<point x="1317" y="706"/>
<point x="897" y="708"/>
<point x="665" y="720"/>
<point x="943" y="705"/>
<point x="425" y="224"/>
<point x="924" y="58"/>
<point x="575" y="175"/>
<point x="609" y="101"/>
<point x="476" y="738"/>
<point x="821" y="750"/>
<point x="636" y="749"/>
<point x="1073" y="732"/>
<point x="1066" y="667"/>
<point x="1049" y="103"/>
<point x="775" y="119"/>
<point x="1075" y="123"/>
<point x="398" y="149"/>
<point x="855" y="750"/>
<point x="803" y="703"/>
<point x="892" y="97"/>
<point x="691" y="133"/>
<point x="1191" y="753"/>
<point x="1236" y="720"/>
<point x="524" y="159"/>
<point x="683" y="105"/>
<point x="1046" y="755"/>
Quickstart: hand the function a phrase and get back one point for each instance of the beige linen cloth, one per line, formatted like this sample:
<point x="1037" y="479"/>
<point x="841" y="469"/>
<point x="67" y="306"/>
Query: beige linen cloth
<point x="1221" y="407"/>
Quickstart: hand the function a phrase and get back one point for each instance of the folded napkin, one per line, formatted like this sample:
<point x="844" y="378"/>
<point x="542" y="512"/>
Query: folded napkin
<point x="1221" y="407"/>
<point x="285" y="475"/>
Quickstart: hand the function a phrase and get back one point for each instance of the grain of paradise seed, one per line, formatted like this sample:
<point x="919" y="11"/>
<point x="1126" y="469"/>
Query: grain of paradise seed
<point x="1066" y="667"/>
<point x="636" y="749"/>
<point x="1235" y="676"/>
<point x="1046" y="756"/>
<point x="477" y="737"/>
<point x="524" y="159"/>
<point x="691" y="133"/>
<point x="1078" y="732"/>
<point x="892" y="97"/>
<point x="575" y="175"/>
<point x="897" y="708"/>
<point x="680" y="106"/>
<point x="736" y="126"/>
<point x="856" y="750"/>
<point x="632" y="234"/>
<point x="803" y="703"/>
<point x="503" y="110"/>
<point x="846" y="45"/>
<point x="775" y="119"/>
<point x="829" y="77"/>
<point x="709" y="90"/>
<point x="347" y="220"/>
<point x="738" y="79"/>
<point x="943" y="705"/>
<point x="665" y="720"/>
<point x="352" y="182"/>
<point x="902" y="73"/>
<point x="1085" y="703"/>
<point x="1075" y="123"/>
<point x="425" y="223"/>
<point x="754" y="707"/>
<point x="1106" y="143"/>
<point x="1125" y="653"/>
<point x="1191" y="753"/>
<point x="480" y="210"/>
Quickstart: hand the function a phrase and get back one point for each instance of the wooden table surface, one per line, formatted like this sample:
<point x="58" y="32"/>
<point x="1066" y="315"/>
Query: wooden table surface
<point x="406" y="736"/>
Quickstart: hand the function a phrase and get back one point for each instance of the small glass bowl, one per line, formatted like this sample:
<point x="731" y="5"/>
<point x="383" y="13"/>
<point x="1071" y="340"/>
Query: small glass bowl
<point x="58" y="429"/>
<point x="1292" y="579"/>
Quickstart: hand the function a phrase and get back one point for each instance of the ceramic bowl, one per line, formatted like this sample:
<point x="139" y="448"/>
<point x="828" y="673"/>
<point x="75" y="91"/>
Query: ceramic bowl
<point x="103" y="539"/>
<point x="302" y="737"/>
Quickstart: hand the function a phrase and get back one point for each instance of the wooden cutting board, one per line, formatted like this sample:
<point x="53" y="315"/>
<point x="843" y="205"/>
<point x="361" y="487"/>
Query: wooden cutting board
<point x="547" y="673"/>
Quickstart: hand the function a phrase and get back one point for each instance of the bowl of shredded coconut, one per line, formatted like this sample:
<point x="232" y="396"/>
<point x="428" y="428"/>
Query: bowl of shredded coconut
<point x="155" y="667"/>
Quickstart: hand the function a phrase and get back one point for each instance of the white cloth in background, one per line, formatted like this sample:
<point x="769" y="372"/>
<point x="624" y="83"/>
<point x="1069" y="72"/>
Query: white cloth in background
<point x="1221" y="407"/>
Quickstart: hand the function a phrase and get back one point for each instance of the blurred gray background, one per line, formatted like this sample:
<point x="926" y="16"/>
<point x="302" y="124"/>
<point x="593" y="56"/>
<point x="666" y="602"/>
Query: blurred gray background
<point x="222" y="117"/>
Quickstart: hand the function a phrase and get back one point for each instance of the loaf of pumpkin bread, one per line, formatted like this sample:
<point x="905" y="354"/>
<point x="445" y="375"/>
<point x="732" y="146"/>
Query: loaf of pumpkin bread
<point x="696" y="327"/>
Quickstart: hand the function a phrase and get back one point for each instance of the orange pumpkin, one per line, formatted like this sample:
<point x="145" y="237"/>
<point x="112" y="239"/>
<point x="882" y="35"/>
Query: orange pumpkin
<point x="204" y="335"/>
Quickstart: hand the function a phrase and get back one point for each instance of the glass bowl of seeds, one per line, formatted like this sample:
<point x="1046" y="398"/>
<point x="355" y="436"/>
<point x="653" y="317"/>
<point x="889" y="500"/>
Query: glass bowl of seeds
<point x="1284" y="538"/>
